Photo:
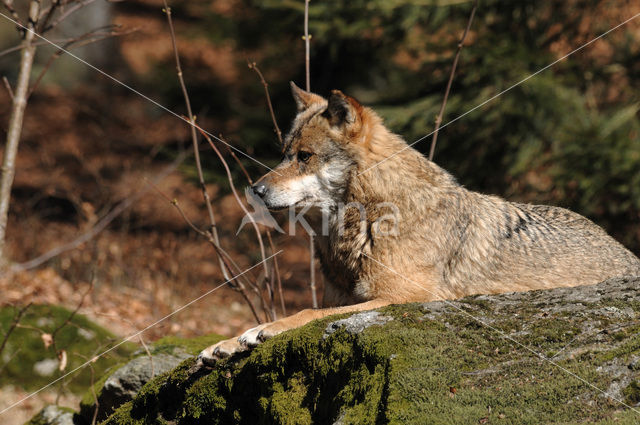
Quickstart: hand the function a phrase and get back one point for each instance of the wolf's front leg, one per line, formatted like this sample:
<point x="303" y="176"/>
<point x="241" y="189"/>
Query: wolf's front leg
<point x="261" y="333"/>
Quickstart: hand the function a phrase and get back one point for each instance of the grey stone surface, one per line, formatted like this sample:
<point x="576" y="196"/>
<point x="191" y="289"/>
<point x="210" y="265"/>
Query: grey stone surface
<point x="357" y="323"/>
<point x="125" y="382"/>
<point x="54" y="415"/>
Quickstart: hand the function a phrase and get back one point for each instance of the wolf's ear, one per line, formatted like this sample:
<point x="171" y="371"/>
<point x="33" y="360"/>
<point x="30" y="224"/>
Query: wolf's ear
<point x="303" y="99"/>
<point x="342" y="109"/>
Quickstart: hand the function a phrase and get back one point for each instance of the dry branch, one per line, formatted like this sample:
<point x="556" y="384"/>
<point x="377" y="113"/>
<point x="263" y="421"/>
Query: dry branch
<point x="8" y="87"/>
<point x="194" y="138"/>
<point x="15" y="125"/>
<point x="307" y="68"/>
<point x="83" y="40"/>
<point x="247" y="214"/>
<point x="8" y="4"/>
<point x="254" y="66"/>
<point x="235" y="283"/>
<point x="14" y="323"/>
<point x="434" y="140"/>
<point x="307" y="39"/>
<point x="64" y="15"/>
<point x="100" y="224"/>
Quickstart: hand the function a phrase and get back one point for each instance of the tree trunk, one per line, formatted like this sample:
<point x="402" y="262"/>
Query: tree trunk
<point x="15" y="125"/>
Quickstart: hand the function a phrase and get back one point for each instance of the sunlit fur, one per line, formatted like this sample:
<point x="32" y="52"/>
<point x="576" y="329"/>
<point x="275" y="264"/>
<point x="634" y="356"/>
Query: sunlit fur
<point x="450" y="241"/>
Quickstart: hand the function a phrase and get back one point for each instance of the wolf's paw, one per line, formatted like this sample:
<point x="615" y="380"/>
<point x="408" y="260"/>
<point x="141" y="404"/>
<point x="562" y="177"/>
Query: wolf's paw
<point x="250" y="337"/>
<point x="271" y="329"/>
<point x="223" y="349"/>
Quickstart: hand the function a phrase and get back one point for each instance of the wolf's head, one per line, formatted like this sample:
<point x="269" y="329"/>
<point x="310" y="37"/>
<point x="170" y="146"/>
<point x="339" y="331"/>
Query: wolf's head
<point x="318" y="156"/>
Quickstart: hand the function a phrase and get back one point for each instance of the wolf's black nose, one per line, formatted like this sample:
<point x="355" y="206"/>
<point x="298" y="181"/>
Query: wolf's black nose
<point x="259" y="189"/>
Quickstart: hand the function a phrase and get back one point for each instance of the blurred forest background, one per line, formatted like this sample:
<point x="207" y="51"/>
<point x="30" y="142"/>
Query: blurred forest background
<point x="568" y="137"/>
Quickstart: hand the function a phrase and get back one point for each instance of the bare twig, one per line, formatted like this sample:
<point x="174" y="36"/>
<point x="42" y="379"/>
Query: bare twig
<point x="244" y="170"/>
<point x="94" y="418"/>
<point x="228" y="261"/>
<point x="47" y="14"/>
<point x="153" y="373"/>
<point x="15" y="124"/>
<point x="8" y="4"/>
<point x="73" y="9"/>
<point x="7" y="85"/>
<point x="244" y="208"/>
<point x="276" y="269"/>
<point x="57" y="41"/>
<point x="312" y="272"/>
<point x="307" y="39"/>
<point x="83" y="40"/>
<point x="194" y="138"/>
<point x="434" y="140"/>
<point x="11" y="357"/>
<point x="14" y="323"/>
<point x="100" y="224"/>
<point x="89" y="362"/>
<point x="276" y="266"/>
<point x="254" y="66"/>
<point x="307" y="68"/>
<point x="73" y="313"/>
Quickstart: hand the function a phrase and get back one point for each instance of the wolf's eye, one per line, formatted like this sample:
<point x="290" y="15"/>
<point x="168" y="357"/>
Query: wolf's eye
<point x="304" y="156"/>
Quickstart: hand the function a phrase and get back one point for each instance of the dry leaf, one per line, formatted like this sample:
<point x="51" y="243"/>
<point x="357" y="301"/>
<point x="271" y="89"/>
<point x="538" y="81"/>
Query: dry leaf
<point x="62" y="356"/>
<point x="47" y="339"/>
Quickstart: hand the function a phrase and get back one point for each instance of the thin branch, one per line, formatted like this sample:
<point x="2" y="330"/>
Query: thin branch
<point x="11" y="357"/>
<point x="307" y="69"/>
<point x="65" y="14"/>
<point x="194" y="137"/>
<point x="312" y="272"/>
<point x="240" y="203"/>
<point x="8" y="4"/>
<point x="153" y="372"/>
<point x="14" y="130"/>
<point x="307" y="39"/>
<point x="59" y="41"/>
<point x="100" y="224"/>
<point x="228" y="262"/>
<point x="73" y="313"/>
<point x="244" y="170"/>
<point x="46" y="15"/>
<point x="14" y="324"/>
<point x="453" y="71"/>
<point x="276" y="266"/>
<point x="8" y="87"/>
<point x="83" y="40"/>
<point x="254" y="66"/>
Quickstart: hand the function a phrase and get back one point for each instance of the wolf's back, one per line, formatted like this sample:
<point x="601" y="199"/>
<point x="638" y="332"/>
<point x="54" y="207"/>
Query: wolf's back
<point x="560" y="247"/>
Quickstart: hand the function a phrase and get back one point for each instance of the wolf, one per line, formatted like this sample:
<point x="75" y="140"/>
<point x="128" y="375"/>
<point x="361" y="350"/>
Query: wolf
<point x="445" y="241"/>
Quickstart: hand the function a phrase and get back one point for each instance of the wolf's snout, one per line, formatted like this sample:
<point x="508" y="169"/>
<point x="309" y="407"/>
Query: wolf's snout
<point x="259" y="189"/>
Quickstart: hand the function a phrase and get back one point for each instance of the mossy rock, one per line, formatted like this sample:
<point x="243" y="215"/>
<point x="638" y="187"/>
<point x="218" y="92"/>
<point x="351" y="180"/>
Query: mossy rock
<point x="56" y="415"/>
<point x="123" y="381"/>
<point x="518" y="358"/>
<point x="28" y="363"/>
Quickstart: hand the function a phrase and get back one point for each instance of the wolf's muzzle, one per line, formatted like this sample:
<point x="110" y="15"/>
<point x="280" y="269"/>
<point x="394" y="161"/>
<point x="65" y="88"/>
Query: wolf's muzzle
<point x="259" y="189"/>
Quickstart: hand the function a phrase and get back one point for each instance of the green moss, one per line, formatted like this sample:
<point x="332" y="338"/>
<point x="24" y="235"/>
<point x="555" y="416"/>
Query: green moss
<point x="80" y="338"/>
<point x="450" y="369"/>
<point x="39" y="419"/>
<point x="632" y="393"/>
<point x="190" y="345"/>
